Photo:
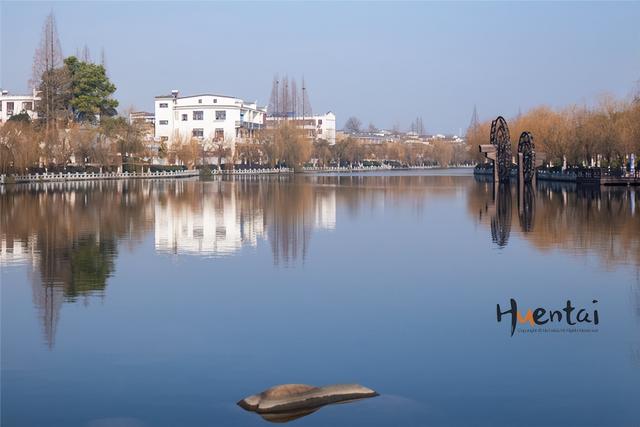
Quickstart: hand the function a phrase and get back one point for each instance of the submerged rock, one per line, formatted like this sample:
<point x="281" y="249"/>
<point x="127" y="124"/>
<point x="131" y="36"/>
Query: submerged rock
<point x="287" y="402"/>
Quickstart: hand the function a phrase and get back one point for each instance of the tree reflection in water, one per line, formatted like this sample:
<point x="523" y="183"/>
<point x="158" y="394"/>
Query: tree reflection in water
<point x="578" y="219"/>
<point x="72" y="233"/>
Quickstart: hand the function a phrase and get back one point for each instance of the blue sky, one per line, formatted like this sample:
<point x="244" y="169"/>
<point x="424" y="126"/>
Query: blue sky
<point x="385" y="63"/>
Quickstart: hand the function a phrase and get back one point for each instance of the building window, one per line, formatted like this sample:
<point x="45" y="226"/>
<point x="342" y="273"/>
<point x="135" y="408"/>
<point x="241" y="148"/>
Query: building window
<point x="215" y="101"/>
<point x="219" y="135"/>
<point x="185" y="117"/>
<point x="164" y="122"/>
<point x="10" y="108"/>
<point x="221" y="115"/>
<point x="28" y="106"/>
<point x="198" y="115"/>
<point x="199" y="101"/>
<point x="164" y="105"/>
<point x="320" y="122"/>
<point x="197" y="132"/>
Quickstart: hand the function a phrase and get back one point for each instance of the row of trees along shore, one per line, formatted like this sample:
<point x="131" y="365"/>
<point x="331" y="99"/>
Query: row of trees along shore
<point x="606" y="133"/>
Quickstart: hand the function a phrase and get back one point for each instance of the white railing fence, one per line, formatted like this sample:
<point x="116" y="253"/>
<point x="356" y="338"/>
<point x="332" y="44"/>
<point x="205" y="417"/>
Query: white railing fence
<point x="87" y="176"/>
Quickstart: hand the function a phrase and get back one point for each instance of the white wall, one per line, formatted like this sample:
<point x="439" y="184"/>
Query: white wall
<point x="169" y="121"/>
<point x="18" y="105"/>
<point x="322" y="126"/>
<point x="327" y="130"/>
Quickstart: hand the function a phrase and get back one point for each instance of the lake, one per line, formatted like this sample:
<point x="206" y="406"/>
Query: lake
<point x="163" y="303"/>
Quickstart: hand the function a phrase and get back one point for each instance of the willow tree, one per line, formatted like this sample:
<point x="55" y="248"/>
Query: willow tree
<point x="19" y="147"/>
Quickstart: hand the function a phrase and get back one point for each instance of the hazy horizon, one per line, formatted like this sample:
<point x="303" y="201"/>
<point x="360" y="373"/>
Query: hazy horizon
<point x="385" y="63"/>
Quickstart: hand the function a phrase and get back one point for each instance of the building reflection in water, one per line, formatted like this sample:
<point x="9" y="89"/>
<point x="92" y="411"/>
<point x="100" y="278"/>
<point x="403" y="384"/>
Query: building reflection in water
<point x="220" y="217"/>
<point x="206" y="222"/>
<point x="71" y="233"/>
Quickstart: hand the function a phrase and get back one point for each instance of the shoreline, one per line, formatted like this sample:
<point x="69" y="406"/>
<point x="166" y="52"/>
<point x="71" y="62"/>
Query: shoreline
<point x="77" y="176"/>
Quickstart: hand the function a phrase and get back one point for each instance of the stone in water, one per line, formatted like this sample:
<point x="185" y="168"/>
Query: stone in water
<point x="287" y="402"/>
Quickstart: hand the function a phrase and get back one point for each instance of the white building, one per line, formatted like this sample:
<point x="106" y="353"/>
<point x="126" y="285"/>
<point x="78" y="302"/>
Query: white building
<point x="11" y="105"/>
<point x="142" y="117"/>
<point x="316" y="126"/>
<point x="209" y="117"/>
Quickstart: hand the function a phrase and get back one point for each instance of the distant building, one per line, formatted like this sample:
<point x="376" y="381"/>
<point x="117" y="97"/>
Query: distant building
<point x="146" y="121"/>
<point x="11" y="105"/>
<point x="143" y="117"/>
<point x="315" y="127"/>
<point x="208" y="117"/>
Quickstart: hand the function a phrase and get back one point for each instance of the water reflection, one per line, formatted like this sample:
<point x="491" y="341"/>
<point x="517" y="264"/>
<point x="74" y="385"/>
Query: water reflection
<point x="288" y="402"/>
<point x="212" y="221"/>
<point x="72" y="233"/>
<point x="577" y="219"/>
<point x="526" y="207"/>
<point x="501" y="218"/>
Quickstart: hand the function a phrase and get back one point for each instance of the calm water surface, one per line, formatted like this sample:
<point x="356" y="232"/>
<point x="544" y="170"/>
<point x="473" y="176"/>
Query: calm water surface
<point x="162" y="303"/>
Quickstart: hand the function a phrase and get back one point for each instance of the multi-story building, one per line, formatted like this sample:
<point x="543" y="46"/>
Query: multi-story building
<point x="142" y="117"/>
<point x="209" y="117"/>
<point x="315" y="127"/>
<point x="146" y="121"/>
<point x="11" y="105"/>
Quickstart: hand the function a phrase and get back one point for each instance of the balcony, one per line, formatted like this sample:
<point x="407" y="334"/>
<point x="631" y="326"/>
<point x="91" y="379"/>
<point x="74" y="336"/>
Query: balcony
<point x="248" y="125"/>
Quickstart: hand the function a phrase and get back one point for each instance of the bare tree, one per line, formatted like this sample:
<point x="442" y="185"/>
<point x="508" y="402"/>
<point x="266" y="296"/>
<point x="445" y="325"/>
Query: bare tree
<point x="322" y="151"/>
<point x="86" y="54"/>
<point x="52" y="80"/>
<point x="294" y="98"/>
<point x="274" y="105"/>
<point x="287" y="99"/>
<point x="19" y="147"/>
<point x="82" y="142"/>
<point x="419" y="126"/>
<point x="222" y="150"/>
<point x="353" y="125"/>
<point x="285" y="104"/>
<point x="48" y="55"/>
<point x="306" y="103"/>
